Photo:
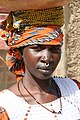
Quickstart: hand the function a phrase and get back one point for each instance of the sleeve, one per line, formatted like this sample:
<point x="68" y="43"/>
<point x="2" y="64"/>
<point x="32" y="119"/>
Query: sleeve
<point x="3" y="114"/>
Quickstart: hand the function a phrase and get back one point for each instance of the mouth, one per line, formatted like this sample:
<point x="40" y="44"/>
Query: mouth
<point x="45" y="70"/>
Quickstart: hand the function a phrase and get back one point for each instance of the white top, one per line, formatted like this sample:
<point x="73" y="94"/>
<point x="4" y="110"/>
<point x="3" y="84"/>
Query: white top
<point x="18" y="109"/>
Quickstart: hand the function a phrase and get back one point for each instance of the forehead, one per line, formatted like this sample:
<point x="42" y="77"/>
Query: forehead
<point x="45" y="46"/>
<point x="40" y="46"/>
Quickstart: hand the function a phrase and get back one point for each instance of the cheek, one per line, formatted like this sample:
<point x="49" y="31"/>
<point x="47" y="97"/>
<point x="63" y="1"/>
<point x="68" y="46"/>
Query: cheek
<point x="29" y="59"/>
<point x="56" y="58"/>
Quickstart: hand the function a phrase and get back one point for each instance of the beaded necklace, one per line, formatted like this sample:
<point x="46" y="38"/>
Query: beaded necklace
<point x="52" y="111"/>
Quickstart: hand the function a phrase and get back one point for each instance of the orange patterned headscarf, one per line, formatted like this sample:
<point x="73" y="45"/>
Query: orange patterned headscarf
<point x="20" y="32"/>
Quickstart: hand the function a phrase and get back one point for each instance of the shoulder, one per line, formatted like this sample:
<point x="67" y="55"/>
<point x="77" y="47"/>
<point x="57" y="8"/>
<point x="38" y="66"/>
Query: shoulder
<point x="14" y="89"/>
<point x="5" y="94"/>
<point x="12" y="103"/>
<point x="66" y="85"/>
<point x="67" y="81"/>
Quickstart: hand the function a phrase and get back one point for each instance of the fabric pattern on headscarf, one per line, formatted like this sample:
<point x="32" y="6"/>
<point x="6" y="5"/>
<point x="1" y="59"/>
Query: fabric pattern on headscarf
<point x="3" y="114"/>
<point x="42" y="17"/>
<point x="15" y="63"/>
<point x="37" y="35"/>
<point x="19" y="21"/>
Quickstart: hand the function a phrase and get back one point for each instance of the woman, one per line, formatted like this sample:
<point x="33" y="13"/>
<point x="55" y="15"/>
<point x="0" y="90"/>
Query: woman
<point x="35" y="43"/>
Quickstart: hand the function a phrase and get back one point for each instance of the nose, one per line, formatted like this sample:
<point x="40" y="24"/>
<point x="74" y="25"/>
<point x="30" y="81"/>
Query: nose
<point x="46" y="56"/>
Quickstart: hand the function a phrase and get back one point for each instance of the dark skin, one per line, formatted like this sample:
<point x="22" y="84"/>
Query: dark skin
<point x="37" y="77"/>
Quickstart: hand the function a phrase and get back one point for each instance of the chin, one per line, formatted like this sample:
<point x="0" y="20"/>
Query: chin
<point x="44" y="77"/>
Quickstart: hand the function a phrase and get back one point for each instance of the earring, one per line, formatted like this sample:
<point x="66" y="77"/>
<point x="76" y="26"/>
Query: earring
<point x="47" y="64"/>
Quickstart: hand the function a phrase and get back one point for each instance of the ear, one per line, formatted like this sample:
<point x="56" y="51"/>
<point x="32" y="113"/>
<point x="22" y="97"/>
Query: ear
<point x="3" y="45"/>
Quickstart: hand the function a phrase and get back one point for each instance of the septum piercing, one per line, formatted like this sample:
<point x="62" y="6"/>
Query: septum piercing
<point x="47" y="64"/>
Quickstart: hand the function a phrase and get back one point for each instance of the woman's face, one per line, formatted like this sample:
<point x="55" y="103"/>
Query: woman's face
<point x="37" y="56"/>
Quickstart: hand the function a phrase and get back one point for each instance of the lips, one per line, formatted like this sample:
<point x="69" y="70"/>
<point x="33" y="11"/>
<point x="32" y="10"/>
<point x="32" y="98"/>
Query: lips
<point x="45" y="71"/>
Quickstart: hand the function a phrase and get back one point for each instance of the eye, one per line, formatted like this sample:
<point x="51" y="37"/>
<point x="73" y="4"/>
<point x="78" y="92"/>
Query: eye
<point x="56" y="49"/>
<point x="36" y="47"/>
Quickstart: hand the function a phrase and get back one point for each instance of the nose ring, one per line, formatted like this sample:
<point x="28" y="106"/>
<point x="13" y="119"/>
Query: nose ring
<point x="47" y="64"/>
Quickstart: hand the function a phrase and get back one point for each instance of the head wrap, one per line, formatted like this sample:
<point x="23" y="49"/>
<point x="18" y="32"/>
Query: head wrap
<point x="23" y="28"/>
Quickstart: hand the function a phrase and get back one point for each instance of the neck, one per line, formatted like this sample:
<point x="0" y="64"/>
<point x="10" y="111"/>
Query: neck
<point x="32" y="82"/>
<point x="41" y="90"/>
